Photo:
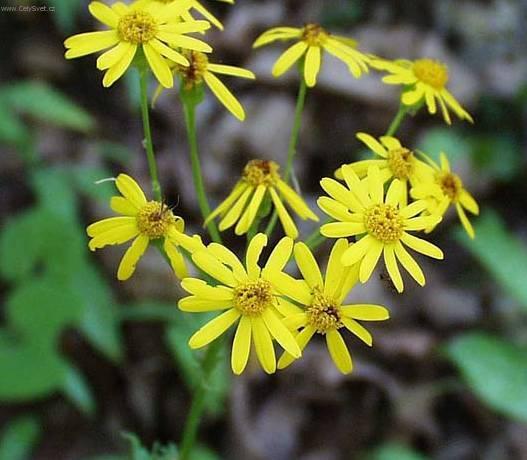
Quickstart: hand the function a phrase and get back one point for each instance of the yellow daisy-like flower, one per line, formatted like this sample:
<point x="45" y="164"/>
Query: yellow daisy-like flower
<point x="153" y="29"/>
<point x="425" y="80"/>
<point x="362" y="209"/>
<point x="247" y="296"/>
<point x="444" y="188"/>
<point x="312" y="40"/>
<point x="201" y="70"/>
<point x="397" y="162"/>
<point x="195" y="5"/>
<point x="259" y="178"/>
<point x="321" y="300"/>
<point x="144" y="221"/>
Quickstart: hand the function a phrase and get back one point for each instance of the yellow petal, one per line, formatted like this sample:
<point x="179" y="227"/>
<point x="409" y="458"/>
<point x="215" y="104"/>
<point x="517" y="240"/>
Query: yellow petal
<point x="201" y="289"/>
<point x="111" y="223"/>
<point x="131" y="257"/>
<point x="231" y="70"/>
<point x="112" y="57"/>
<point x="213" y="329"/>
<point x="302" y="338"/>
<point x="130" y="190"/>
<point x="90" y="42"/>
<point x="356" y="251"/>
<point x="241" y="346"/>
<point x="359" y="330"/>
<point x="264" y="345"/>
<point x="465" y="222"/>
<point x="297" y="290"/>
<point x="373" y="144"/>
<point x="287" y="222"/>
<point x="335" y="270"/>
<point x="287" y="308"/>
<point x="193" y="304"/>
<point x="392" y="267"/>
<point x="296" y="202"/>
<point x="159" y="66"/>
<point x="123" y="206"/>
<point x="117" y="70"/>
<point x="176" y="259"/>
<point x="117" y="235"/>
<point x="282" y="335"/>
<point x="409" y="264"/>
<point x="104" y="14"/>
<point x="227" y="257"/>
<point x="250" y="213"/>
<point x="308" y="265"/>
<point x="227" y="204"/>
<point x="341" y="194"/>
<point x="168" y="52"/>
<point x="334" y="209"/>
<point x="312" y="65"/>
<point x="280" y="255"/>
<point x="370" y="260"/>
<point x="254" y="251"/>
<point x="339" y="352"/>
<point x="288" y="58"/>
<point x="224" y="95"/>
<point x="212" y="266"/>
<point x="234" y="213"/>
<point x="422" y="246"/>
<point x="468" y="202"/>
<point x="342" y="229"/>
<point x="365" y="312"/>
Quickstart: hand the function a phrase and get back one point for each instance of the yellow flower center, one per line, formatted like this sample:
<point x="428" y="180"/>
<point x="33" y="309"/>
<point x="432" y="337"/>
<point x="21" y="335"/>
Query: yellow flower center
<point x="433" y="73"/>
<point x="154" y="219"/>
<point x="314" y="35"/>
<point x="252" y="298"/>
<point x="137" y="27"/>
<point x="323" y="313"/>
<point x="384" y="222"/>
<point x="450" y="184"/>
<point x="193" y="74"/>
<point x="258" y="172"/>
<point x="401" y="162"/>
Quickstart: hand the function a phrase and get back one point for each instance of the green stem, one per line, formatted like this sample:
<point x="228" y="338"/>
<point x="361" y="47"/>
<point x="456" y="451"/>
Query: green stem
<point x="189" y="109"/>
<point x="396" y="122"/>
<point x="293" y="142"/>
<point x="210" y="361"/>
<point x="152" y="166"/>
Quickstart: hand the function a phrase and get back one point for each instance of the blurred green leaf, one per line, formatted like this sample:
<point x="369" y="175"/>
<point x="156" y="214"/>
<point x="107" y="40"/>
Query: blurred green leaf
<point x="44" y="103"/>
<point x="78" y="391"/>
<point x="53" y="187"/>
<point x="437" y="140"/>
<point x="495" y="370"/>
<point x="395" y="451"/>
<point x="19" y="438"/>
<point x="113" y="151"/>
<point x="203" y="453"/>
<point x="100" y="321"/>
<point x="12" y="131"/>
<point x="501" y="253"/>
<point x="159" y="451"/>
<point x="499" y="155"/>
<point x="65" y="13"/>
<point x="178" y="335"/>
<point x="29" y="372"/>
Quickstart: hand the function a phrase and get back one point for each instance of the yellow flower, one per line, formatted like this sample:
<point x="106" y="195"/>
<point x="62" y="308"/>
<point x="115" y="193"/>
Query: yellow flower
<point x="312" y="40"/>
<point x="247" y="296"/>
<point x="152" y="29"/>
<point x="425" y="80"/>
<point x="444" y="188"/>
<point x="144" y="221"/>
<point x="195" y="5"/>
<point x="397" y="162"/>
<point x="259" y="178"/>
<point x="321" y="300"/>
<point x="200" y="69"/>
<point x="362" y="209"/>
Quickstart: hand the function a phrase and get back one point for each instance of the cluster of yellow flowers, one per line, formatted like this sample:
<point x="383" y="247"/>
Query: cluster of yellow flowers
<point x="373" y="206"/>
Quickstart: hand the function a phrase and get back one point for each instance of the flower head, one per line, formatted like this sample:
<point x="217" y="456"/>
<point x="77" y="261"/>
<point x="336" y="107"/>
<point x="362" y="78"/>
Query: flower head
<point x="361" y="208"/>
<point x="144" y="221"/>
<point x="247" y="296"/>
<point x="154" y="29"/>
<point x="259" y="179"/>
<point x="201" y="70"/>
<point x="443" y="188"/>
<point x="316" y="304"/>
<point x="425" y="81"/>
<point x="312" y="39"/>
<point x="397" y="162"/>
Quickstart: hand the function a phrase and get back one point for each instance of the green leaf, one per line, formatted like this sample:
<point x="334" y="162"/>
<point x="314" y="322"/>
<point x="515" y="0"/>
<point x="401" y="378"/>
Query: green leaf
<point x="495" y="370"/>
<point x="137" y="451"/>
<point x="44" y="103"/>
<point x="203" y="453"/>
<point x="437" y="140"/>
<point x="395" y="451"/>
<point x="38" y="310"/>
<point x="100" y="320"/>
<point x="12" y="131"/>
<point x="30" y="372"/>
<point x="501" y="253"/>
<point x="78" y="392"/>
<point x="500" y="156"/>
<point x="19" y="438"/>
<point x="65" y="13"/>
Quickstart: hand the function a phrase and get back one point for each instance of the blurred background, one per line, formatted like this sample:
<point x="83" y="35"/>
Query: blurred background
<point x="84" y="358"/>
